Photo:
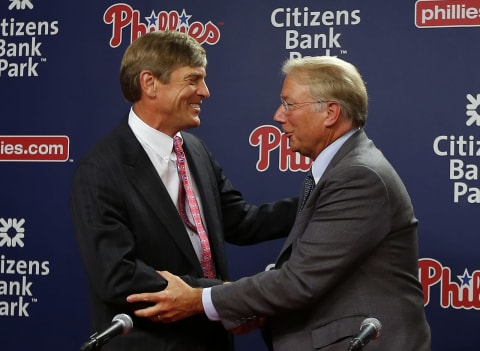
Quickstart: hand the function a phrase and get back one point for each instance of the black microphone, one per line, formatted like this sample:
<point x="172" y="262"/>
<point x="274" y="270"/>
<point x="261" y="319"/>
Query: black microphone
<point x="369" y="330"/>
<point x="121" y="324"/>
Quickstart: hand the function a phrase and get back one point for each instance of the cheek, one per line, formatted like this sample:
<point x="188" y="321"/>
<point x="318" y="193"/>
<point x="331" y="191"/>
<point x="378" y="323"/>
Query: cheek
<point x="183" y="95"/>
<point x="312" y="132"/>
<point x="306" y="125"/>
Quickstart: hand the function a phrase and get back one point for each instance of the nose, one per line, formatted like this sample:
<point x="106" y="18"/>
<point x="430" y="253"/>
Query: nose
<point x="279" y="115"/>
<point x="203" y="90"/>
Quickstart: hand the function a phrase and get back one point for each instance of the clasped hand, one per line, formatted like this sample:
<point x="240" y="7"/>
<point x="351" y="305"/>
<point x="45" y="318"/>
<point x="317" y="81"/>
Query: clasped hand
<point x="176" y="302"/>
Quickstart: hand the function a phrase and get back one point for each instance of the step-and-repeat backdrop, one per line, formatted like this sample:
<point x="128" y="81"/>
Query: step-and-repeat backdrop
<point x="59" y="64"/>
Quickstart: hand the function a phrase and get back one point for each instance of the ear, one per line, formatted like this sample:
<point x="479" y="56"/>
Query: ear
<point x="148" y="83"/>
<point x="334" y="112"/>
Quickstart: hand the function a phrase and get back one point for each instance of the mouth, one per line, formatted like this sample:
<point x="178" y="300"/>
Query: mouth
<point x="196" y="107"/>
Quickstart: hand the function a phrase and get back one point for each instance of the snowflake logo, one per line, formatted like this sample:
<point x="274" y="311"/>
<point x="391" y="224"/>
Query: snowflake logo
<point x="20" y="4"/>
<point x="472" y="110"/>
<point x="11" y="225"/>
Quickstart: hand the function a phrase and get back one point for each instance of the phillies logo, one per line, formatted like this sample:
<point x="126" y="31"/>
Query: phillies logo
<point x="463" y="295"/>
<point x="268" y="139"/>
<point x="123" y="18"/>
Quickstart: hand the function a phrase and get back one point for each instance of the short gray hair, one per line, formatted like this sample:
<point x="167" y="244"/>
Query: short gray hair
<point x="331" y="78"/>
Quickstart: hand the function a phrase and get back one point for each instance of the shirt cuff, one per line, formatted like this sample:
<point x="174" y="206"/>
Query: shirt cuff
<point x="208" y="306"/>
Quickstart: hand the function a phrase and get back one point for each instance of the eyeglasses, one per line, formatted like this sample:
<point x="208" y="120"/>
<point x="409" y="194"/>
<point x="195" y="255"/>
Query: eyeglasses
<point x="293" y="106"/>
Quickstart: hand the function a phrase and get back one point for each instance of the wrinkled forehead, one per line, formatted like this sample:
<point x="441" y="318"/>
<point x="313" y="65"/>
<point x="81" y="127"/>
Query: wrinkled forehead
<point x="187" y="72"/>
<point x="294" y="88"/>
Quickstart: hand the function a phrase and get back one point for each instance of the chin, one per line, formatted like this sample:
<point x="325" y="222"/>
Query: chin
<point x="292" y="147"/>
<point x="194" y="124"/>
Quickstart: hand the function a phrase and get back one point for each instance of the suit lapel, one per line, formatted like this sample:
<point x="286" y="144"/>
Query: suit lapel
<point x="144" y="178"/>
<point x="298" y="228"/>
<point x="303" y="218"/>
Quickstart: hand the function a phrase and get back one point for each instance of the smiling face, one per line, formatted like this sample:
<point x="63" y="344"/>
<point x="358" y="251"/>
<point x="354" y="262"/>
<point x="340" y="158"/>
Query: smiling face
<point x="179" y="100"/>
<point x="175" y="105"/>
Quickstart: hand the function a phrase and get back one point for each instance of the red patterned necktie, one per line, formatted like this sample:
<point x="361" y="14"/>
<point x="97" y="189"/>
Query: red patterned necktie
<point x="186" y="189"/>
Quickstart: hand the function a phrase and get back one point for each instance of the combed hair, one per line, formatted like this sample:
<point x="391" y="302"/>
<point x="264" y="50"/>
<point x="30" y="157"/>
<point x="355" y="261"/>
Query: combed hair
<point x="160" y="52"/>
<point x="331" y="78"/>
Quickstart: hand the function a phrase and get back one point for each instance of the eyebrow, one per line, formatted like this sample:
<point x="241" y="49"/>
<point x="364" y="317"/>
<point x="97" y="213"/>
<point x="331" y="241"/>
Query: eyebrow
<point x="195" y="74"/>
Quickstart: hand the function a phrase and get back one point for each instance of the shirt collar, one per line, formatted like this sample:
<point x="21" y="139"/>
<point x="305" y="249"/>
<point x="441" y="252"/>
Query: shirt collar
<point x="158" y="141"/>
<point x="323" y="159"/>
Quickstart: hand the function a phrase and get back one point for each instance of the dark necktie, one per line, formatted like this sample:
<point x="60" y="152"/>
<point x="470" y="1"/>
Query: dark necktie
<point x="308" y="185"/>
<point x="186" y="190"/>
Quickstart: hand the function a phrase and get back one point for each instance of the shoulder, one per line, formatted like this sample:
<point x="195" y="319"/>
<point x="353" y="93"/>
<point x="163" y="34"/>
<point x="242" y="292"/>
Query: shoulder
<point x="119" y="144"/>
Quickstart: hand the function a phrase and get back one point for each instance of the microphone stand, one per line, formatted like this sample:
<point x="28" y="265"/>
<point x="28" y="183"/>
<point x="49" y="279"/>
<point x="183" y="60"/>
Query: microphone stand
<point x="91" y="345"/>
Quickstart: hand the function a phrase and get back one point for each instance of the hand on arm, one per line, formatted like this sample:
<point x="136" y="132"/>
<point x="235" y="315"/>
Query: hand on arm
<point x="176" y="302"/>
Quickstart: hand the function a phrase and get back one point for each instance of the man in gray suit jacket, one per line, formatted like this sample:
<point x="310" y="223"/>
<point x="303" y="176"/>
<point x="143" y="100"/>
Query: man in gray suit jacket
<point x="352" y="252"/>
<point x="124" y="201"/>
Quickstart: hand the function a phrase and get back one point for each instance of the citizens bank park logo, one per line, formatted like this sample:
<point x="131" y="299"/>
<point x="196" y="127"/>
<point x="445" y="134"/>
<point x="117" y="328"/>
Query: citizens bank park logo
<point x="17" y="275"/>
<point x="447" y="13"/>
<point x="127" y="21"/>
<point x="24" y="148"/>
<point x="463" y="152"/>
<point x="22" y="52"/>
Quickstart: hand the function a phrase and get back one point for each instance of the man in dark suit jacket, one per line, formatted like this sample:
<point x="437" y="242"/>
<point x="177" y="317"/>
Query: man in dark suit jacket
<point x="352" y="253"/>
<point x="125" y="214"/>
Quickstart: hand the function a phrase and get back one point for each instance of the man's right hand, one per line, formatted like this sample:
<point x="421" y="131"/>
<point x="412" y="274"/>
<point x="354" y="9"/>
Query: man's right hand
<point x="176" y="302"/>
